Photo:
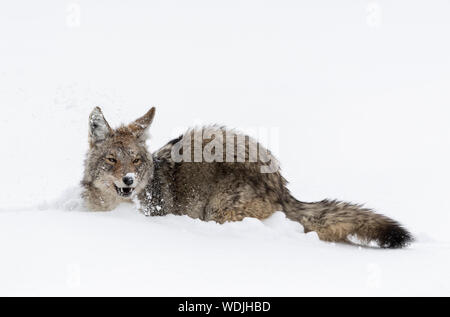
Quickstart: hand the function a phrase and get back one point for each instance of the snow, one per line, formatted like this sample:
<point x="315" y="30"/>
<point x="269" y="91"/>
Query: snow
<point x="67" y="251"/>
<point x="358" y="96"/>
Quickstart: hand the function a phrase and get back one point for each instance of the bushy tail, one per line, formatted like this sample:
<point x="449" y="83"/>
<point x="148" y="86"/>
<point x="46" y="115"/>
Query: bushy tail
<point x="337" y="221"/>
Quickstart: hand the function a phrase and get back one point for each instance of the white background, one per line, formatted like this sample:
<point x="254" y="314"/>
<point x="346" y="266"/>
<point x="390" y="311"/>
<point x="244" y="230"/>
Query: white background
<point x="358" y="91"/>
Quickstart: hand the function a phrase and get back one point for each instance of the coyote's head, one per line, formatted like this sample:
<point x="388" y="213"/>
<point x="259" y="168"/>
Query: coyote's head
<point x="118" y="164"/>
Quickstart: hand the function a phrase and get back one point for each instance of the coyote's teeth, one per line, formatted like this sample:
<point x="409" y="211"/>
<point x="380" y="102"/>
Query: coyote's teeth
<point x="124" y="191"/>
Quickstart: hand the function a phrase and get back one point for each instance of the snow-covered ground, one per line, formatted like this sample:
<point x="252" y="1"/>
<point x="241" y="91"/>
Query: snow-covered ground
<point x="356" y="95"/>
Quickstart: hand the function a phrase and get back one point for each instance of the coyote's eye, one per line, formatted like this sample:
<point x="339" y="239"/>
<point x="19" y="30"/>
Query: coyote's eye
<point x="111" y="160"/>
<point x="137" y="161"/>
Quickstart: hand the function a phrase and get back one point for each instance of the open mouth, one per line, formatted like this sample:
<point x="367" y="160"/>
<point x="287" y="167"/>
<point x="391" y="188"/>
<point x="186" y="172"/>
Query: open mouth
<point x="124" y="191"/>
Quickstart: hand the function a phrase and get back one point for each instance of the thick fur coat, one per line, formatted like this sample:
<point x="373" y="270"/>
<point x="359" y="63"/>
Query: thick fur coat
<point x="244" y="182"/>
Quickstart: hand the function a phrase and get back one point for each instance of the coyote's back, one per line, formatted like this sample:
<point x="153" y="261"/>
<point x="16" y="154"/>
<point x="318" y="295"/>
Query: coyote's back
<point x="232" y="183"/>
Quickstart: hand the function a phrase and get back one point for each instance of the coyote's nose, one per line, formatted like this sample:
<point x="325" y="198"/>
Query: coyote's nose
<point x="128" y="180"/>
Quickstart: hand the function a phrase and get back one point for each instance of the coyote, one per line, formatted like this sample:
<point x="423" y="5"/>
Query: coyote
<point x="119" y="168"/>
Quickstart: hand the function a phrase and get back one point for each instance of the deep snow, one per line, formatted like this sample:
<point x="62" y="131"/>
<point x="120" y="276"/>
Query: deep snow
<point x="359" y="104"/>
<point x="60" y="249"/>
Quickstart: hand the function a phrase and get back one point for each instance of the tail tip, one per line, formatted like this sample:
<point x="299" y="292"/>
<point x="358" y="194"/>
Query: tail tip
<point x="394" y="237"/>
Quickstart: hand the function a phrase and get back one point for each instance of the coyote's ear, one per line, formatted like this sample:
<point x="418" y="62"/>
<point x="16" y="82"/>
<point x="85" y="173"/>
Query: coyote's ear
<point x="99" y="128"/>
<point x="139" y="126"/>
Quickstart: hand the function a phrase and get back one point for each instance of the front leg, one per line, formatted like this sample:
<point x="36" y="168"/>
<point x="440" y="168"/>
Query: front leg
<point x="150" y="202"/>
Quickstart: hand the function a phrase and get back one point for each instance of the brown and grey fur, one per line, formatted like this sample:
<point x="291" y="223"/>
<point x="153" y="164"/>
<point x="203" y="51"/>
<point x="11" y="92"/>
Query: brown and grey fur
<point x="217" y="191"/>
